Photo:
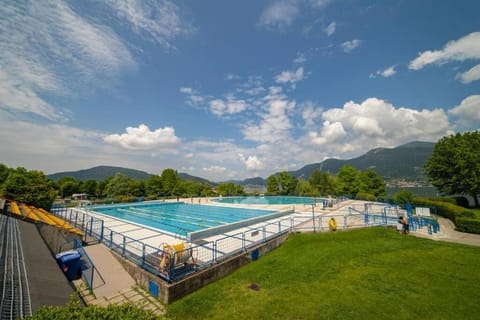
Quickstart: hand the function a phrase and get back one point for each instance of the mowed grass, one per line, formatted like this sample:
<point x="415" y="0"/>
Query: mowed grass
<point x="372" y="273"/>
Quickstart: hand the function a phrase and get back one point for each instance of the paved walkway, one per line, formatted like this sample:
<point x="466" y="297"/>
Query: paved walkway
<point x="113" y="284"/>
<point x="47" y="283"/>
<point x="449" y="234"/>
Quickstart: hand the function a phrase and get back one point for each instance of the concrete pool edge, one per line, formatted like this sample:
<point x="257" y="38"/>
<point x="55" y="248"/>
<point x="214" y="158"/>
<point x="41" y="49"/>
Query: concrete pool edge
<point x="205" y="233"/>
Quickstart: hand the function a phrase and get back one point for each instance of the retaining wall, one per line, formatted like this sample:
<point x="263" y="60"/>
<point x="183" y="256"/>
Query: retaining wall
<point x="170" y="292"/>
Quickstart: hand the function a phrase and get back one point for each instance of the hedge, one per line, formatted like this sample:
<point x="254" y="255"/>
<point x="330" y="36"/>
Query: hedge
<point x="468" y="225"/>
<point x="453" y="212"/>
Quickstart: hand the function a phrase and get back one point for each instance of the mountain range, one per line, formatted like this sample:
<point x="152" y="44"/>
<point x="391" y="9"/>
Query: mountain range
<point x="404" y="162"/>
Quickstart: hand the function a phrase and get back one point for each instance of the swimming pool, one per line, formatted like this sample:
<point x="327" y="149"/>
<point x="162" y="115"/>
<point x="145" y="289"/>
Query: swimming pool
<point x="181" y="218"/>
<point x="270" y="200"/>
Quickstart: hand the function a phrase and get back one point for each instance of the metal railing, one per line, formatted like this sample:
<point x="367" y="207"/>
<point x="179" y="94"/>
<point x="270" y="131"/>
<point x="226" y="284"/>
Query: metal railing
<point x="164" y="263"/>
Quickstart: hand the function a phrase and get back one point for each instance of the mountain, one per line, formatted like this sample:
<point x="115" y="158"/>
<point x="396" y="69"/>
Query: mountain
<point x="404" y="162"/>
<point x="100" y="173"/>
<point x="103" y="172"/>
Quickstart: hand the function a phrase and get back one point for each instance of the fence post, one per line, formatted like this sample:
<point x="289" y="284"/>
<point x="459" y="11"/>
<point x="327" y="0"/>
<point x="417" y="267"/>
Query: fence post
<point x="243" y="242"/>
<point x="76" y="217"/>
<point x="91" y="225"/>
<point x="124" y="244"/>
<point x="345" y="226"/>
<point x="215" y="251"/>
<point x="264" y="234"/>
<point x="143" y="255"/>
<point x="111" y="238"/>
<point x="313" y="218"/>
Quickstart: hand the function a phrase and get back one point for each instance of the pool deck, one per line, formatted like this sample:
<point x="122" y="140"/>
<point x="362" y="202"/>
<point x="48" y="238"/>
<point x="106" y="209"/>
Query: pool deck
<point x="230" y="243"/>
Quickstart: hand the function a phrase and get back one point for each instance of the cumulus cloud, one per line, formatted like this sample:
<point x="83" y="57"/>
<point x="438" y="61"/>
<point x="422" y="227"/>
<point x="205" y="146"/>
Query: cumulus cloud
<point x="375" y="122"/>
<point x="230" y="106"/>
<point x="279" y="15"/>
<point x="330" y="133"/>
<point x="469" y="76"/>
<point x="300" y="59"/>
<point x="465" y="48"/>
<point x="468" y="111"/>
<point x="141" y="138"/>
<point x="253" y="163"/>
<point x="330" y="29"/>
<point x="388" y="72"/>
<point x="275" y="123"/>
<point x="310" y="113"/>
<point x="291" y="77"/>
<point x="349" y="46"/>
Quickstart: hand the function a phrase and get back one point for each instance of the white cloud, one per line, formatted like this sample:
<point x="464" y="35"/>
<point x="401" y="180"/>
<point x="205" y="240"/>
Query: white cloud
<point x="468" y="111"/>
<point x="300" y="59"/>
<point x="319" y="4"/>
<point x="291" y="77"/>
<point x="153" y="19"/>
<point x="231" y="76"/>
<point x="465" y="48"/>
<point x="279" y="15"/>
<point x="469" y="76"/>
<point x="214" y="170"/>
<point x="310" y="113"/>
<point x="375" y="122"/>
<point x="46" y="47"/>
<point x="230" y="106"/>
<point x="349" y="46"/>
<point x="330" y="29"/>
<point x="275" y="123"/>
<point x="141" y="138"/>
<point x="331" y="133"/>
<point x="186" y="90"/>
<point x="388" y="72"/>
<point x="253" y="163"/>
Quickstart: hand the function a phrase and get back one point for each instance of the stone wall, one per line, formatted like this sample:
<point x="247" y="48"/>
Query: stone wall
<point x="170" y="292"/>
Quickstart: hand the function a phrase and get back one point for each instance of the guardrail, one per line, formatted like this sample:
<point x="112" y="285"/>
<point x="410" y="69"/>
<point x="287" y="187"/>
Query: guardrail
<point x="173" y="265"/>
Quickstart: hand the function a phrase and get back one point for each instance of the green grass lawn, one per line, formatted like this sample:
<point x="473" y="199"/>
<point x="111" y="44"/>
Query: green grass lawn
<point x="372" y="273"/>
<point x="477" y="212"/>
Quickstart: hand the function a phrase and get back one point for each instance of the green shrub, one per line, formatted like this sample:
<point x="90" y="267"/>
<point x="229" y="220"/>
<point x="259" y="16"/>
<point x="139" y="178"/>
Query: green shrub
<point x="402" y="197"/>
<point x="450" y="211"/>
<point x="468" y="225"/>
<point x="365" y="196"/>
<point x="74" y="310"/>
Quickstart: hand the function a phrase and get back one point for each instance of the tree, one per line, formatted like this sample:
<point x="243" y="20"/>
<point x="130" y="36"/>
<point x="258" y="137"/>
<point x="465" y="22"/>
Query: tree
<point x="372" y="183"/>
<point x="154" y="186"/>
<point x="322" y="182"/>
<point x="454" y="167"/>
<point x="31" y="187"/>
<point x="169" y="181"/>
<point x="118" y="186"/>
<point x="303" y="188"/>
<point x="287" y="182"/>
<point x="89" y="187"/>
<point x="272" y="185"/>
<point x="348" y="181"/>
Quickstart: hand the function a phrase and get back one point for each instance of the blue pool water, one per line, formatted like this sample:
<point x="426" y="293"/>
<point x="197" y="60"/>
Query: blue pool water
<point x="268" y="200"/>
<point x="179" y="218"/>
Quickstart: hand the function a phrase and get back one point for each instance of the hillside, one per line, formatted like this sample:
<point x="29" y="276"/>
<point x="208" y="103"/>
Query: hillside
<point x="100" y="173"/>
<point x="403" y="162"/>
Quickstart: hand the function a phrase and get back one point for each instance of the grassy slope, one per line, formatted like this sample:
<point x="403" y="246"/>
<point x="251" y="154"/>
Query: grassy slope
<point x="363" y="274"/>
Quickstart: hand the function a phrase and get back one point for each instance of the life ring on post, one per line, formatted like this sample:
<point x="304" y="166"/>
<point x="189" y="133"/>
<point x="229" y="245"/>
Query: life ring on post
<point x="332" y="224"/>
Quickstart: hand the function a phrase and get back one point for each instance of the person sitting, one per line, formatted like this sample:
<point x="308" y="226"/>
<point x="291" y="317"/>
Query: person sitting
<point x="400" y="226"/>
<point x="406" y="226"/>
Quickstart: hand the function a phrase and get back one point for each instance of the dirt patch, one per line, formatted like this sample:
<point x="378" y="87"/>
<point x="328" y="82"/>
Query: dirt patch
<point x="254" y="287"/>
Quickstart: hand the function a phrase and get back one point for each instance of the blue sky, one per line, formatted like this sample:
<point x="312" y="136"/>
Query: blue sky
<point x="231" y="89"/>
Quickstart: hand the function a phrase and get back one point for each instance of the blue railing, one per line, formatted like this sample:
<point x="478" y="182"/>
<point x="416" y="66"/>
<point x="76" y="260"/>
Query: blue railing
<point x="163" y="263"/>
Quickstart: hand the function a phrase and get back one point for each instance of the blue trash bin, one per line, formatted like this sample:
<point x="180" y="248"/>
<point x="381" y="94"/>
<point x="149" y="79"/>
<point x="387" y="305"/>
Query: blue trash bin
<point x="69" y="262"/>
